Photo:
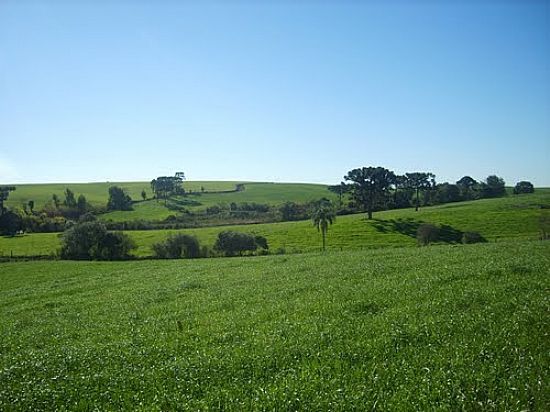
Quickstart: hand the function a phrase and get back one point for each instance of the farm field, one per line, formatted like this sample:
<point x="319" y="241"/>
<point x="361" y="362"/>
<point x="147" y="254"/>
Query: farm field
<point x="443" y="327"/>
<point x="512" y="217"/>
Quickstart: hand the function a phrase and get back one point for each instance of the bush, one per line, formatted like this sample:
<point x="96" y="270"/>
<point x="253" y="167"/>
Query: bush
<point x="92" y="241"/>
<point x="426" y="234"/>
<point x="233" y="243"/>
<point x="523" y="187"/>
<point x="177" y="246"/>
<point x="472" y="237"/>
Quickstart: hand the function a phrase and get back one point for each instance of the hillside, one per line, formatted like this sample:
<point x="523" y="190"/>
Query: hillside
<point x="446" y="328"/>
<point x="512" y="217"/>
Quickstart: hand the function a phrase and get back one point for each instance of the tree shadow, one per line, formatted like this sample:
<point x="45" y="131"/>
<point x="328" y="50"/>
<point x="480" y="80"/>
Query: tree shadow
<point x="409" y="227"/>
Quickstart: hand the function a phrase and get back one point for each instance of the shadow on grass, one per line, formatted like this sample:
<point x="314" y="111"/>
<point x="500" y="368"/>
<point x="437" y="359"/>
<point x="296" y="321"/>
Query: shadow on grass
<point x="409" y="227"/>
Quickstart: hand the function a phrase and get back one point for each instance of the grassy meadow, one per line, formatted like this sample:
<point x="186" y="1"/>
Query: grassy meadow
<point x="512" y="217"/>
<point x="438" y="328"/>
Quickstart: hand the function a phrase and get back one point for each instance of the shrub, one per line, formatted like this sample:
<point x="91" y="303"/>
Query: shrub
<point x="233" y="243"/>
<point x="427" y="233"/>
<point x="523" y="187"/>
<point x="177" y="246"/>
<point x="92" y="241"/>
<point x="472" y="237"/>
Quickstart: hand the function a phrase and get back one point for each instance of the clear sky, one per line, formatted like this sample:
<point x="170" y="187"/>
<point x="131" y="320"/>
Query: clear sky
<point x="273" y="91"/>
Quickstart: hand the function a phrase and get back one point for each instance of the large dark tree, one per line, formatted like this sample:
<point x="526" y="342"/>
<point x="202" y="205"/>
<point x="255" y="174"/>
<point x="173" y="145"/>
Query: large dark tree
<point x="70" y="200"/>
<point x="420" y="181"/>
<point x="467" y="186"/>
<point x="524" y="187"/>
<point x="118" y="199"/>
<point x="493" y="186"/>
<point x="340" y="190"/>
<point x="370" y="186"/>
<point x="4" y="194"/>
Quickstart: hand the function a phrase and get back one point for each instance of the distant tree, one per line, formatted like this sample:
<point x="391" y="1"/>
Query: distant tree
<point x="261" y="241"/>
<point x="467" y="185"/>
<point x="118" y="199"/>
<point x="233" y="243"/>
<point x="70" y="200"/>
<point x="292" y="211"/>
<point x="165" y="186"/>
<point x="446" y="193"/>
<point x="56" y="201"/>
<point x="524" y="187"/>
<point x="493" y="186"/>
<point x="177" y="246"/>
<point x="419" y="182"/>
<point x="427" y="233"/>
<point x="322" y="217"/>
<point x="370" y="186"/>
<point x="30" y="203"/>
<point x="202" y="189"/>
<point x="340" y="190"/>
<point x="92" y="241"/>
<point x="4" y="194"/>
<point x="10" y="223"/>
<point x="144" y="194"/>
<point x="81" y="204"/>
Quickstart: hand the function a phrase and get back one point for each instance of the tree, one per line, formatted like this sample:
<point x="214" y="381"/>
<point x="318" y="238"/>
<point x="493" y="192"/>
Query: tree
<point x="466" y="185"/>
<point x="31" y="206"/>
<point x="144" y="194"/>
<point x="420" y="181"/>
<point x="232" y="243"/>
<point x="339" y="190"/>
<point x="322" y="217"/>
<point x="81" y="204"/>
<point x="70" y="200"/>
<point x="165" y="186"/>
<point x="177" y="246"/>
<point x="10" y="223"/>
<point x="118" y="199"/>
<point x="292" y="211"/>
<point x="493" y="186"/>
<point x="91" y="241"/>
<point x="4" y="194"/>
<point x="524" y="187"/>
<point x="56" y="201"/>
<point x="446" y="193"/>
<point x="370" y="186"/>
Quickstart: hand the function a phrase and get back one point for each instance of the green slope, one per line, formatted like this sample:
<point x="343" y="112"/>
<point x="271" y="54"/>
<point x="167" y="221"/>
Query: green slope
<point x="513" y="217"/>
<point x="439" y="328"/>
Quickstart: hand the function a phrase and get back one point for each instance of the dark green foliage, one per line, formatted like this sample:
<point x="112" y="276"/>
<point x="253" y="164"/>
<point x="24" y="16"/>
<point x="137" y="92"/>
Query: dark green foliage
<point x="420" y="182"/>
<point x="233" y="243"/>
<point x="10" y="223"/>
<point x="70" y="200"/>
<point x="81" y="204"/>
<point x="30" y="203"/>
<point x="493" y="186"/>
<point x="118" y="199"/>
<point x="291" y="211"/>
<point x="370" y="187"/>
<point x="144" y="194"/>
<point x="92" y="241"/>
<point x="447" y="193"/>
<point x="472" y="237"/>
<point x="177" y="246"/>
<point x="4" y="194"/>
<point x="467" y="187"/>
<point x="261" y="241"/>
<point x="426" y="234"/>
<point x="523" y="187"/>
<point x="56" y="201"/>
<point x="166" y="186"/>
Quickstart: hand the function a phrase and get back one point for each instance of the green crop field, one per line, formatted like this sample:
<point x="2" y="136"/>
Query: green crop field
<point x="512" y="217"/>
<point x="438" y="328"/>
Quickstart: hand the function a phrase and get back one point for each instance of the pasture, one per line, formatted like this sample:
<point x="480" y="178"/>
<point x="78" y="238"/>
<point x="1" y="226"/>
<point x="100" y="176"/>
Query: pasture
<point x="512" y="217"/>
<point x="446" y="328"/>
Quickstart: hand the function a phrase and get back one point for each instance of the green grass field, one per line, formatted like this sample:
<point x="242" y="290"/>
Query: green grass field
<point x="512" y="217"/>
<point x="438" y="328"/>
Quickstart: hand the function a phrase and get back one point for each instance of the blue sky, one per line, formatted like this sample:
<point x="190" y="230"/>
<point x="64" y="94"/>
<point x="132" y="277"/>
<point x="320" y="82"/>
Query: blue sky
<point x="273" y="91"/>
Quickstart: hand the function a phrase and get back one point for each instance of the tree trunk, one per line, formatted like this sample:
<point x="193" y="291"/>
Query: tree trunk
<point x="369" y="213"/>
<point x="417" y="200"/>
<point x="324" y="234"/>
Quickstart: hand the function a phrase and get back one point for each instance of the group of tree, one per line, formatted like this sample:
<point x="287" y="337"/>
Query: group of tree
<point x="377" y="188"/>
<point x="119" y="199"/>
<point x="90" y="240"/>
<point x="165" y="186"/>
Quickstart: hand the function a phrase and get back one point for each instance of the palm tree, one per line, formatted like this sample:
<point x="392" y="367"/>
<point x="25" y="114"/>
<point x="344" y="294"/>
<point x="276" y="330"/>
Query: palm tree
<point x="322" y="216"/>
